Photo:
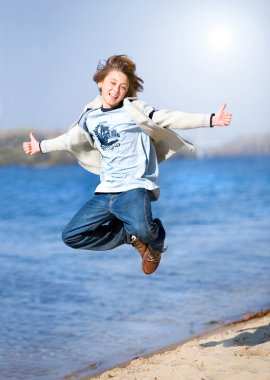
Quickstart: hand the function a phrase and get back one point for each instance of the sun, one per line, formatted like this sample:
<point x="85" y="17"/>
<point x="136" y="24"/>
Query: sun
<point x="220" y="39"/>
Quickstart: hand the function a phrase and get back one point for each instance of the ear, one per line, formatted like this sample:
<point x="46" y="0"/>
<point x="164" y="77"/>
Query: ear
<point x="100" y="84"/>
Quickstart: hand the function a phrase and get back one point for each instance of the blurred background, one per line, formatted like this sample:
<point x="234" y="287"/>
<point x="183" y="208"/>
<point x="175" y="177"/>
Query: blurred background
<point x="66" y="314"/>
<point x="193" y="56"/>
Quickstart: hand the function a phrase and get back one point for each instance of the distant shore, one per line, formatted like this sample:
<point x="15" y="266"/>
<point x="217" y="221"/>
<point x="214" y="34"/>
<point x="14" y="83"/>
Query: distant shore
<point x="235" y="351"/>
<point x="11" y="152"/>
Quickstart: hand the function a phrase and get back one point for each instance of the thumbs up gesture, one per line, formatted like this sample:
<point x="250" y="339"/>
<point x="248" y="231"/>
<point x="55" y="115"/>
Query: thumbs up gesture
<point x="222" y="118"/>
<point x="31" y="147"/>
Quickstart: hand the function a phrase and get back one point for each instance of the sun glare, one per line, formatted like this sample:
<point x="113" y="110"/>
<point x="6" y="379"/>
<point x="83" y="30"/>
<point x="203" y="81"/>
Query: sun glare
<point x="220" y="39"/>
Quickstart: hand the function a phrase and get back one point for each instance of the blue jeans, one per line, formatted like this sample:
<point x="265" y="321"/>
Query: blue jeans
<point x="109" y="219"/>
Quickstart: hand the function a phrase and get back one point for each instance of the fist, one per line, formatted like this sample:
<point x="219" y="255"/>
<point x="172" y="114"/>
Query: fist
<point x="222" y="118"/>
<point x="31" y="147"/>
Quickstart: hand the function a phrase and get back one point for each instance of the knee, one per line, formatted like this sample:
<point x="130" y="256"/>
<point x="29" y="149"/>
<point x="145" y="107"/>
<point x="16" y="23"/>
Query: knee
<point x="68" y="239"/>
<point x="79" y="240"/>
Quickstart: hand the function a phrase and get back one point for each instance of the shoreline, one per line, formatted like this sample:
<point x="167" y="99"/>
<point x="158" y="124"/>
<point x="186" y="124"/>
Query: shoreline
<point x="165" y="363"/>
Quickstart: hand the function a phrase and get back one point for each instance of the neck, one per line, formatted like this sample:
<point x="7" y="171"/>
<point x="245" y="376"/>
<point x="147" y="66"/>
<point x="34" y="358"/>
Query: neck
<point x="104" y="109"/>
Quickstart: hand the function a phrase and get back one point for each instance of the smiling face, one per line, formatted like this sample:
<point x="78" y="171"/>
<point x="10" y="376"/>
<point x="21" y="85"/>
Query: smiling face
<point x="114" y="88"/>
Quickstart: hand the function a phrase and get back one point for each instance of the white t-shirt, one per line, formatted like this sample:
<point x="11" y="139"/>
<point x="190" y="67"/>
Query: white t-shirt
<point x="129" y="157"/>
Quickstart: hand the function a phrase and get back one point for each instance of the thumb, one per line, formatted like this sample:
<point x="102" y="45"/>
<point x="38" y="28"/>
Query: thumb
<point x="32" y="137"/>
<point x="222" y="108"/>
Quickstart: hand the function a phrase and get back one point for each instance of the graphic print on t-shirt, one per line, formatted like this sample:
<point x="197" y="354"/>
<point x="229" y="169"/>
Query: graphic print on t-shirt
<point x="105" y="136"/>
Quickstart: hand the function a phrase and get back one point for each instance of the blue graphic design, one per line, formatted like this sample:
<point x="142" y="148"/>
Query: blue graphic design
<point x="104" y="136"/>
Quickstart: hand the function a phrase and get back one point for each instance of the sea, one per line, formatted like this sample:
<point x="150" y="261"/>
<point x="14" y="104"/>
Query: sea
<point x="67" y="314"/>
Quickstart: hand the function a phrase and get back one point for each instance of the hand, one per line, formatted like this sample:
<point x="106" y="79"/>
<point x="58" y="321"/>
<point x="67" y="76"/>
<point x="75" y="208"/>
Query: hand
<point x="31" y="147"/>
<point x="222" y="118"/>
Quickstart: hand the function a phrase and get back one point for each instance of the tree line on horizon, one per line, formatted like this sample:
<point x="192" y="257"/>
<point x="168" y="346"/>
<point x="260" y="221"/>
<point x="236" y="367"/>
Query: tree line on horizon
<point x="11" y="151"/>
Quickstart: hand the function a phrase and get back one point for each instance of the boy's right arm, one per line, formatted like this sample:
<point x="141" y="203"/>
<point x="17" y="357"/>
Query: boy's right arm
<point x="34" y="146"/>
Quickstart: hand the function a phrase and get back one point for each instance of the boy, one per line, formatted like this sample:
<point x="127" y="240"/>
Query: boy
<point x="123" y="139"/>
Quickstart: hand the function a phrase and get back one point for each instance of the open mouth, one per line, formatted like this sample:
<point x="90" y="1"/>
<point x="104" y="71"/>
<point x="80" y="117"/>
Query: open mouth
<point x="113" y="97"/>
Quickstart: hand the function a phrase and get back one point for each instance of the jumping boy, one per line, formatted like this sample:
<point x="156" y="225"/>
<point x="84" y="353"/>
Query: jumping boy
<point x="123" y="139"/>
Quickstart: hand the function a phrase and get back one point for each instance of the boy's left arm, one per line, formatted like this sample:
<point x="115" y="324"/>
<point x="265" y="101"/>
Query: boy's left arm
<point x="182" y="120"/>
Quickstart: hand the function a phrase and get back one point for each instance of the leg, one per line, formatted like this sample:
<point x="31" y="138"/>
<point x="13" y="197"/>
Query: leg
<point x="94" y="227"/>
<point x="133" y="207"/>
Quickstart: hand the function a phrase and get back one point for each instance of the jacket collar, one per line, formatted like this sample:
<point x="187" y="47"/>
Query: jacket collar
<point x="96" y="103"/>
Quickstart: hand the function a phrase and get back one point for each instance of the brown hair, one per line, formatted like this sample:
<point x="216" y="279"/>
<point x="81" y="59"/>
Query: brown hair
<point x="124" y="64"/>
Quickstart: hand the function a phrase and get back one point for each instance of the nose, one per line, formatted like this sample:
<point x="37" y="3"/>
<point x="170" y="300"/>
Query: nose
<point x="116" y="88"/>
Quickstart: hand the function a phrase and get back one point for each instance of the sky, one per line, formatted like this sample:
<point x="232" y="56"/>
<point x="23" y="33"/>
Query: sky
<point x="193" y="56"/>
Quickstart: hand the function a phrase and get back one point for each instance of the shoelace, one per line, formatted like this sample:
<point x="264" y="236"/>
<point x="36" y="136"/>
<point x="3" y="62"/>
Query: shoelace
<point x="136" y="244"/>
<point x="154" y="256"/>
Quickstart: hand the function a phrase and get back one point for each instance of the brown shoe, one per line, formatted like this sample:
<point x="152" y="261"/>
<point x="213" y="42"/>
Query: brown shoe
<point x="138" y="245"/>
<point x="151" y="260"/>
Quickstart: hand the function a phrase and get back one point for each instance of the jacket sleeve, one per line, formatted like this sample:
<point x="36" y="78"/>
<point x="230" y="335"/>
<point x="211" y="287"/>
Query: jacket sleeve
<point x="180" y="120"/>
<point x="75" y="138"/>
<point x="57" y="143"/>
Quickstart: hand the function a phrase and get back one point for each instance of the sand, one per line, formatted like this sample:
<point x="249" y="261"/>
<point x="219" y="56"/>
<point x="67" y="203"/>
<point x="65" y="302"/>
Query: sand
<point x="239" y="351"/>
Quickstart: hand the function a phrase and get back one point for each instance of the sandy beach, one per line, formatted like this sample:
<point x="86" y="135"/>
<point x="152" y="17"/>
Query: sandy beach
<point x="237" y="351"/>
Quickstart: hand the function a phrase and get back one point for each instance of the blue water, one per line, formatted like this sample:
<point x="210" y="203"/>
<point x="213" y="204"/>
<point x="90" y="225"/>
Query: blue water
<point x="76" y="312"/>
